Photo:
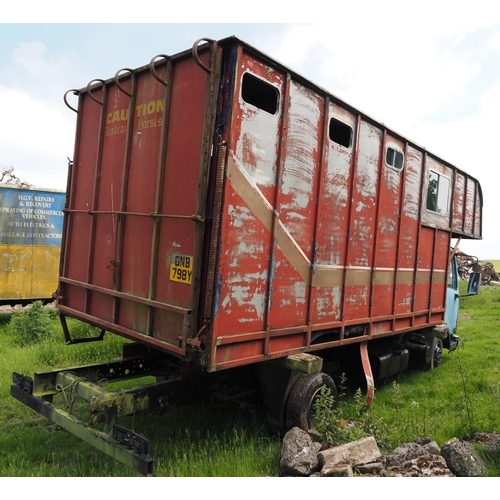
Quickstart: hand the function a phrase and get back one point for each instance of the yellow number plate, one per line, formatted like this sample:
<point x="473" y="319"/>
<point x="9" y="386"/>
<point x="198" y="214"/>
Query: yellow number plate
<point x="181" y="270"/>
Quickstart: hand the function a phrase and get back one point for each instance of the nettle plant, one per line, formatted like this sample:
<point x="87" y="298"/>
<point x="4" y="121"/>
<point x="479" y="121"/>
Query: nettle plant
<point x="344" y="420"/>
<point x="32" y="325"/>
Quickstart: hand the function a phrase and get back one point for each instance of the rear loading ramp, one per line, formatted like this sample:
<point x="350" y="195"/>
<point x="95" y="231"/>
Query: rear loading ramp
<point x="135" y="218"/>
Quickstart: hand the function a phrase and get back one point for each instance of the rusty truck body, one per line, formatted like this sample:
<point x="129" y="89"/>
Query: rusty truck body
<point x="225" y="211"/>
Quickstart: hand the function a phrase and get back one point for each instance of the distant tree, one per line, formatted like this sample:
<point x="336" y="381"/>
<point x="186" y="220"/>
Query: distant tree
<point x="7" y="176"/>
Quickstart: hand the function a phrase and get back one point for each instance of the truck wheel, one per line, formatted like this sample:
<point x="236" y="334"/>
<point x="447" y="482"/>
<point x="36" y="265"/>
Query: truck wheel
<point x="299" y="410"/>
<point x="438" y="353"/>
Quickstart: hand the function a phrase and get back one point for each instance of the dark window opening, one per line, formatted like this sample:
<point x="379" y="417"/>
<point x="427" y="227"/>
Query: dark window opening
<point x="259" y="93"/>
<point x="340" y="133"/>
<point x="438" y="192"/>
<point x="452" y="276"/>
<point x="394" y="159"/>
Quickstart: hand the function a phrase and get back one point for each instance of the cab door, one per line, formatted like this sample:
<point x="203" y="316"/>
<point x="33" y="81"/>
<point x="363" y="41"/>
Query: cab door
<point x="452" y="297"/>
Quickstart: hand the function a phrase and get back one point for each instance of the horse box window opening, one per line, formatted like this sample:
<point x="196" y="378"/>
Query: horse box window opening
<point x="260" y="94"/>
<point x="438" y="193"/>
<point x="394" y="159"/>
<point x="340" y="133"/>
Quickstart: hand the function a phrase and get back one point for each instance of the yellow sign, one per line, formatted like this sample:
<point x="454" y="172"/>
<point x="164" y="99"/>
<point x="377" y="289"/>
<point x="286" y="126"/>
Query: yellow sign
<point x="181" y="270"/>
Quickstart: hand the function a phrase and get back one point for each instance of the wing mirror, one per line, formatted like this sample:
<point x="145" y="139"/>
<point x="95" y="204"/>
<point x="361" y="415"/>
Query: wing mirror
<point x="474" y="282"/>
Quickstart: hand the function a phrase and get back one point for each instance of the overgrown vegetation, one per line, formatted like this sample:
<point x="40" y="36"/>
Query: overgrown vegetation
<point x="214" y="439"/>
<point x="346" y="421"/>
<point x="195" y="439"/>
<point x="458" y="399"/>
<point x="32" y="326"/>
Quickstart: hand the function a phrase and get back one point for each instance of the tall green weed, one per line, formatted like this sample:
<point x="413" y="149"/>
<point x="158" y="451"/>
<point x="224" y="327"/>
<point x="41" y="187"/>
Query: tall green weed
<point x="349" y="420"/>
<point x="33" y="325"/>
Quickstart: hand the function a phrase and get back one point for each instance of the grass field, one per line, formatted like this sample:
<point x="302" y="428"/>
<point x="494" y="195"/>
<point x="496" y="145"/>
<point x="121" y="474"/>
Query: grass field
<point x="186" y="440"/>
<point x="459" y="398"/>
<point x="215" y="439"/>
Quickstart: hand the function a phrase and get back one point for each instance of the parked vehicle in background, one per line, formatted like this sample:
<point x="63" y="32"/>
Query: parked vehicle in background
<point x="31" y="221"/>
<point x="225" y="212"/>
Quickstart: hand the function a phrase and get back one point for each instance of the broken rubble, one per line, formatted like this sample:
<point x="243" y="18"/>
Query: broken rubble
<point x="462" y="459"/>
<point x="422" y="458"/>
<point x="299" y="454"/>
<point x="358" y="452"/>
<point x="424" y="466"/>
<point x="489" y="442"/>
<point x="404" y="453"/>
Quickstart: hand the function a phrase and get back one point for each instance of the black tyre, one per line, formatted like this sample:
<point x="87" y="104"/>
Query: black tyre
<point x="438" y="353"/>
<point x="299" y="410"/>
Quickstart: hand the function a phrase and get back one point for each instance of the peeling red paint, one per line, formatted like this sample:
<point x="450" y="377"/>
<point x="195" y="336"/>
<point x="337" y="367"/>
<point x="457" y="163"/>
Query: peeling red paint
<point x="309" y="230"/>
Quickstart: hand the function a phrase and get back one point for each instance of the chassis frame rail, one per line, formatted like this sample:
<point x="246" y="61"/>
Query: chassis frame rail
<point x="99" y="440"/>
<point x="105" y="406"/>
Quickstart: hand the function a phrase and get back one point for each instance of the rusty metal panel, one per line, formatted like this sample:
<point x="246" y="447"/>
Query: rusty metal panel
<point x="470" y="208"/>
<point x="424" y="270"/>
<point x="347" y="249"/>
<point x="459" y="203"/>
<point x="250" y="190"/>
<point x="332" y="234"/>
<point x="409" y="231"/>
<point x="79" y="201"/>
<point x="386" y="247"/>
<point x="467" y="207"/>
<point x="136" y="237"/>
<point x="440" y="270"/>
<point x="441" y="216"/>
<point x="432" y="270"/>
<point x="295" y="226"/>
<point x="363" y="219"/>
<point x="108" y="197"/>
<point x="462" y="213"/>
<point x="134" y="225"/>
<point x="478" y="204"/>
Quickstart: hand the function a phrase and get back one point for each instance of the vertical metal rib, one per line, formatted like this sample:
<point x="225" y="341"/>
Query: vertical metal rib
<point x="381" y="162"/>
<point x="63" y="261"/>
<point x="214" y="240"/>
<point x="160" y="182"/>
<point x="402" y="194"/>
<point x="354" y="167"/>
<point x="207" y="150"/>
<point x="419" y="229"/>
<point x="95" y="194"/>
<point x="321" y="165"/>
<point x="120" y="225"/>
<point x="70" y="190"/>
<point x="282" y="144"/>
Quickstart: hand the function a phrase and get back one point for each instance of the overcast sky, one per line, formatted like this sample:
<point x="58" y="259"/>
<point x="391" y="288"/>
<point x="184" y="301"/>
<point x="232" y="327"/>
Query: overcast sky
<point x="429" y="70"/>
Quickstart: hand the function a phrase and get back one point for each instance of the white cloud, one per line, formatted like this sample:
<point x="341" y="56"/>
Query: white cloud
<point x="33" y="123"/>
<point x="432" y="78"/>
<point x="382" y="65"/>
<point x="41" y="71"/>
<point x="495" y="42"/>
<point x="36" y="130"/>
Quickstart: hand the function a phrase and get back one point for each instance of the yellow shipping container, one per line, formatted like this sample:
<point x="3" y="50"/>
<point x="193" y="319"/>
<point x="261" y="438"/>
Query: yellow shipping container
<point x="31" y="222"/>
